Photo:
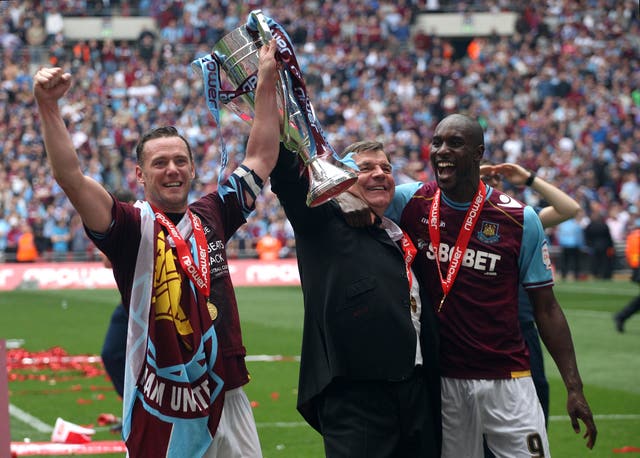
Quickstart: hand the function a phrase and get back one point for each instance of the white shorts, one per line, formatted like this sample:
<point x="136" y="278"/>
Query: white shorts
<point x="507" y="412"/>
<point x="236" y="436"/>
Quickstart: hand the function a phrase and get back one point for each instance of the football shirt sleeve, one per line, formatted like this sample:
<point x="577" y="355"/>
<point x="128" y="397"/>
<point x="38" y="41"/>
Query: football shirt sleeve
<point x="403" y="194"/>
<point x="534" y="261"/>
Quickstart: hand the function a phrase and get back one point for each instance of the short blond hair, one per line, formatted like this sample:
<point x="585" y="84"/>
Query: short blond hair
<point x="359" y="147"/>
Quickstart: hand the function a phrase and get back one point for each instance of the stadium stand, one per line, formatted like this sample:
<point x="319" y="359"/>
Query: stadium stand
<point x="556" y="84"/>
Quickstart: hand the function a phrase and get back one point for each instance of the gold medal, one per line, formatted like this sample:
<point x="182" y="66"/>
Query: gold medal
<point x="442" y="302"/>
<point x="213" y="310"/>
<point x="414" y="304"/>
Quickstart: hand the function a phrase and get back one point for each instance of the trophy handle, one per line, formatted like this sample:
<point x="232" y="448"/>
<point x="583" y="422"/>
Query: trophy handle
<point x="264" y="31"/>
<point x="263" y="27"/>
<point x="325" y="179"/>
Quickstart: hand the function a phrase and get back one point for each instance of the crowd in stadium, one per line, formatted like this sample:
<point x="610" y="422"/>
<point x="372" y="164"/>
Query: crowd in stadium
<point x="560" y="96"/>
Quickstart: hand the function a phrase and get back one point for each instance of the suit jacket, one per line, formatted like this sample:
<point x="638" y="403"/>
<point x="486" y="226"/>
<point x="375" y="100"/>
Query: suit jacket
<point x="357" y="321"/>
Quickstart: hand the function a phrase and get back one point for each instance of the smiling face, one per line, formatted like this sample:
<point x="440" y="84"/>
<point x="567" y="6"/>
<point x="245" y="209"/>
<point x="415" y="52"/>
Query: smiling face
<point x="375" y="184"/>
<point x="456" y="150"/>
<point x="166" y="172"/>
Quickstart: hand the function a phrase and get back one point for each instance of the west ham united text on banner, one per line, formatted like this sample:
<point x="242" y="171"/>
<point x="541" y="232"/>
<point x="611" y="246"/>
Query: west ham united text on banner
<point x="88" y="275"/>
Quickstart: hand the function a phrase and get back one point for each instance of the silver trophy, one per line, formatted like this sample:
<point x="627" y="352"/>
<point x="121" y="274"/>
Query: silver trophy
<point x="237" y="55"/>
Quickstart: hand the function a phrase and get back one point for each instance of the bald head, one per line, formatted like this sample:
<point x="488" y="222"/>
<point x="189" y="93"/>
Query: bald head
<point x="472" y="129"/>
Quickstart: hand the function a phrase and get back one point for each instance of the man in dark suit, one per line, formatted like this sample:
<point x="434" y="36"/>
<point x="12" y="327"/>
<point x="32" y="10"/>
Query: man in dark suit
<point x="369" y="378"/>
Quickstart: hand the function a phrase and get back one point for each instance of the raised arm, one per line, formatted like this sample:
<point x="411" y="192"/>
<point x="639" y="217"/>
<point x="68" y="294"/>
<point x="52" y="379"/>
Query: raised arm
<point x="92" y="202"/>
<point x="555" y="333"/>
<point x="561" y="206"/>
<point x="264" y="138"/>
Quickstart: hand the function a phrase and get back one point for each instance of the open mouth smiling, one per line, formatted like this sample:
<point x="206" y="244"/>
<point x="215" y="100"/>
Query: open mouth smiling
<point x="445" y="168"/>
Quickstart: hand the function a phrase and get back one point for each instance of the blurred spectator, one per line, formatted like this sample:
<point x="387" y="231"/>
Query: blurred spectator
<point x="53" y="23"/>
<point x="15" y="231"/>
<point x="9" y="41"/>
<point x="60" y="238"/>
<point x="600" y="244"/>
<point x="42" y="241"/>
<point x="562" y="93"/>
<point x="618" y="220"/>
<point x="268" y="248"/>
<point x="281" y="229"/>
<point x="146" y="45"/>
<point x="35" y="37"/>
<point x="632" y="254"/>
<point x="79" y="244"/>
<point x="570" y="237"/>
<point x="4" y="230"/>
<point x="630" y="188"/>
<point x="26" y="250"/>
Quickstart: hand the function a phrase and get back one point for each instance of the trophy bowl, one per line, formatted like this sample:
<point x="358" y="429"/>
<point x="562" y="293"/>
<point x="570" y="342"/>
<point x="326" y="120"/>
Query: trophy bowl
<point x="238" y="58"/>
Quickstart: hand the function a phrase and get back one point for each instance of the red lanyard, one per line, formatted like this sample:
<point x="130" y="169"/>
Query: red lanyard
<point x="470" y="220"/>
<point x="197" y="273"/>
<point x="409" y="251"/>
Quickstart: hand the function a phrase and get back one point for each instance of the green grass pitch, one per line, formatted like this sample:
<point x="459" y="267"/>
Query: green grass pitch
<point x="76" y="320"/>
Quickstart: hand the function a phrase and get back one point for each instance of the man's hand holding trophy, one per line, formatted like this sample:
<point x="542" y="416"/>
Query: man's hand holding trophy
<point x="235" y="57"/>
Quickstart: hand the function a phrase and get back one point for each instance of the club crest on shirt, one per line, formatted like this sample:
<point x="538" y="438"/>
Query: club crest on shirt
<point x="422" y="245"/>
<point x="488" y="232"/>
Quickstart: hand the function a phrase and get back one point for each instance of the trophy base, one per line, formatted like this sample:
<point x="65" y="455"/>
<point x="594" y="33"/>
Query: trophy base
<point x="328" y="190"/>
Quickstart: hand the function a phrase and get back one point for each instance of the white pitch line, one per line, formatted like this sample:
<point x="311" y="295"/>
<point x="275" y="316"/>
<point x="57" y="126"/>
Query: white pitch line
<point x="599" y="417"/>
<point x="29" y="419"/>
<point x="283" y="424"/>
<point x="42" y="427"/>
<point x="300" y="424"/>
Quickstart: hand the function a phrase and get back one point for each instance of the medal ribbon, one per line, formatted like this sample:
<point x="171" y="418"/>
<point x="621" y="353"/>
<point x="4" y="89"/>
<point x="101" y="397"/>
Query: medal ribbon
<point x="470" y="220"/>
<point x="319" y="143"/>
<point x="208" y="67"/>
<point x="198" y="272"/>
<point x="296" y="85"/>
<point x="409" y="251"/>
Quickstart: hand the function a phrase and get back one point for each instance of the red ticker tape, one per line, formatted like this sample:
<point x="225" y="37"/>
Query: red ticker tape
<point x="50" y="448"/>
<point x="627" y="449"/>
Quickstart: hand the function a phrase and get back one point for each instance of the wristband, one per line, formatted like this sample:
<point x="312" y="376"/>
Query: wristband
<point x="251" y="180"/>
<point x="532" y="176"/>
